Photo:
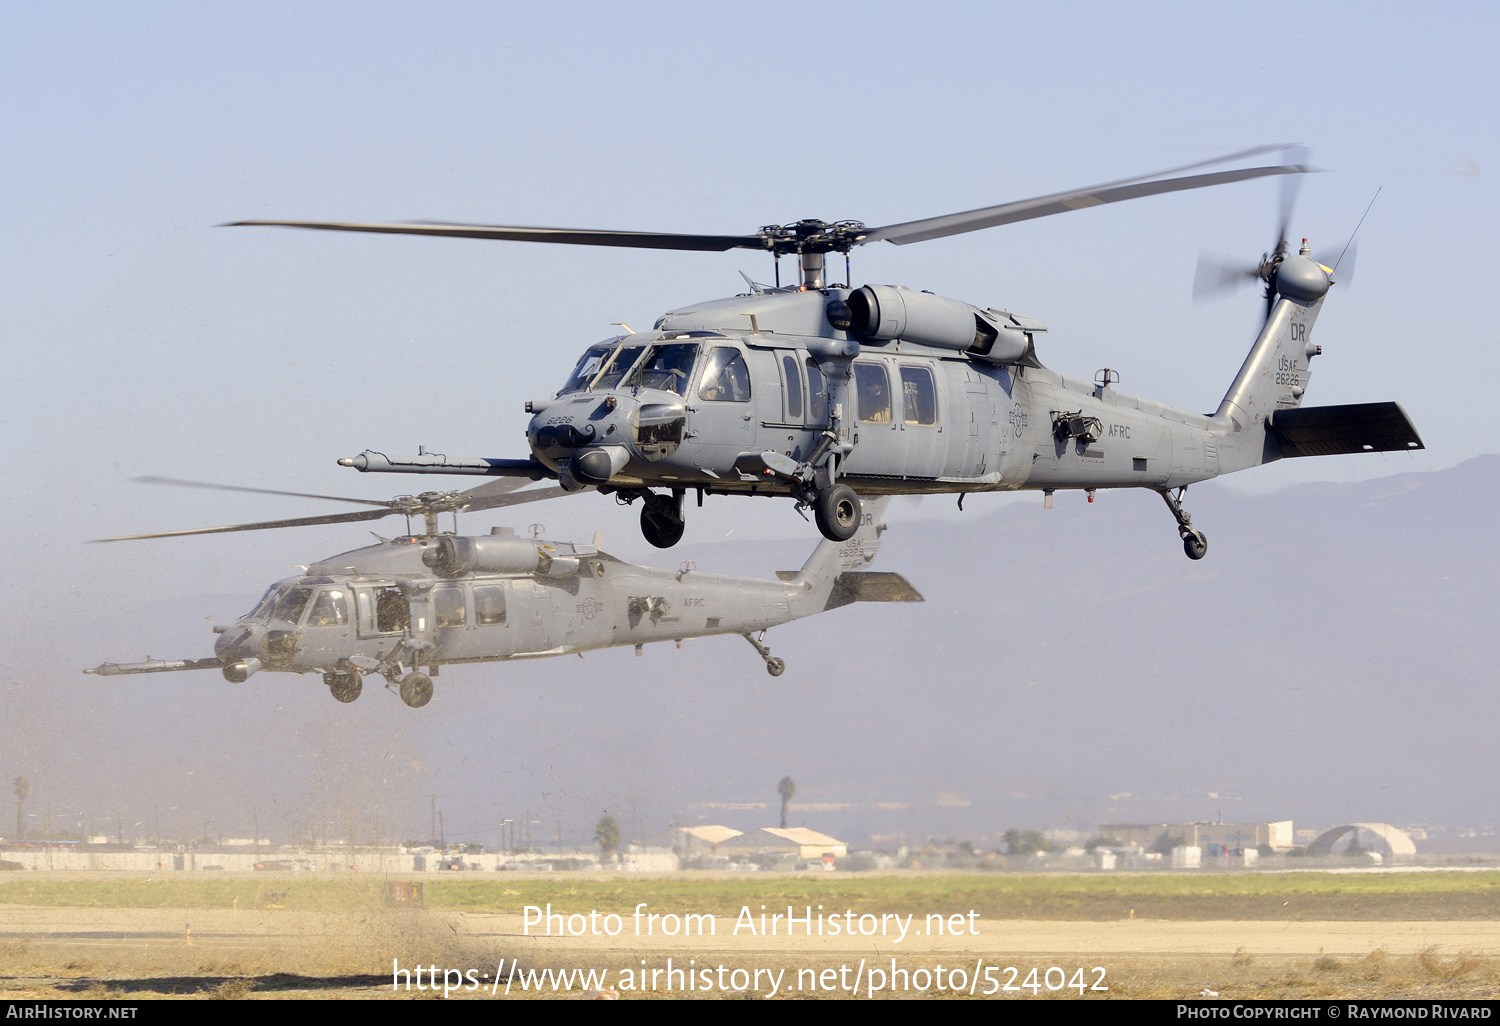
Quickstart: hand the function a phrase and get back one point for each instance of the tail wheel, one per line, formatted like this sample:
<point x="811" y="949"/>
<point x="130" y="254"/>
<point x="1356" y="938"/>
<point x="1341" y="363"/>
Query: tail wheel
<point x="416" y="689"/>
<point x="345" y="687"/>
<point x="838" y="512"/>
<point x="1195" y="544"/>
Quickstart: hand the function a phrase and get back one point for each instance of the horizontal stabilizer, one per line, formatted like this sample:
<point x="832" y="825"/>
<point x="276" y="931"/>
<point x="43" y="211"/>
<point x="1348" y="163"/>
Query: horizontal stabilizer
<point x="1334" y="430"/>
<point x="871" y="586"/>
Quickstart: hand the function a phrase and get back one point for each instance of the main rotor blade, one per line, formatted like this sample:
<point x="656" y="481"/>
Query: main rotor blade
<point x="178" y="483"/>
<point x="1289" y="189"/>
<point x="1061" y="203"/>
<point x="331" y="518"/>
<point x="495" y="486"/>
<point x="516" y="233"/>
<point x="514" y="499"/>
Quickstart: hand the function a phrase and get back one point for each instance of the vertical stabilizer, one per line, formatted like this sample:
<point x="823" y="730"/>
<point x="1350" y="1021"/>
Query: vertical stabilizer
<point x="1273" y="377"/>
<point x="838" y="573"/>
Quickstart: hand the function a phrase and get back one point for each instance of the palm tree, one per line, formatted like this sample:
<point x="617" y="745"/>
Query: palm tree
<point x="607" y="835"/>
<point x="22" y="788"/>
<point x="787" y="788"/>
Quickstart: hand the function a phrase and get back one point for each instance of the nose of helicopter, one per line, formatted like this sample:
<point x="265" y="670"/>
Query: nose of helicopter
<point x="240" y="641"/>
<point x="570" y="427"/>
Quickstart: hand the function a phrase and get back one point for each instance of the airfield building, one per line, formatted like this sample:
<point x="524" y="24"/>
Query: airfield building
<point x="1165" y="836"/>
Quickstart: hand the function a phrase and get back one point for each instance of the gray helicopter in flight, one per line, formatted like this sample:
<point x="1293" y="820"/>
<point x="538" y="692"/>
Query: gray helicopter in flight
<point x="406" y="606"/>
<point x="826" y="392"/>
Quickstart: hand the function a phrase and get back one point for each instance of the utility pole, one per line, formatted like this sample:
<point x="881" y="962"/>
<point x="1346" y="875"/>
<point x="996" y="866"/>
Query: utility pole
<point x="442" y="835"/>
<point x="433" y="835"/>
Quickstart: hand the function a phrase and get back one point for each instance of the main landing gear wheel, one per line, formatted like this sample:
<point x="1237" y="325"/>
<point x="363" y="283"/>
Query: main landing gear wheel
<point x="662" y="522"/>
<point x="660" y="529"/>
<point x="416" y="689"/>
<point x="775" y="666"/>
<point x="345" y="687"/>
<point x="837" y="511"/>
<point x="1195" y="544"/>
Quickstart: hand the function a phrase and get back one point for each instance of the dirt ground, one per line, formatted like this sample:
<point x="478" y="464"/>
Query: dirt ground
<point x="47" y="951"/>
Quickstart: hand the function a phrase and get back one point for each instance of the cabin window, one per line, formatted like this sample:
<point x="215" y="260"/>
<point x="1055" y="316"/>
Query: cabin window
<point x="615" y="371"/>
<point x="919" y="395"/>
<point x="726" y="379"/>
<point x="587" y="367"/>
<point x="874" y="389"/>
<point x="667" y="367"/>
<point x="331" y="609"/>
<point x="449" y="607"/>
<point x="793" y="388"/>
<point x="817" y="396"/>
<point x="489" y="604"/>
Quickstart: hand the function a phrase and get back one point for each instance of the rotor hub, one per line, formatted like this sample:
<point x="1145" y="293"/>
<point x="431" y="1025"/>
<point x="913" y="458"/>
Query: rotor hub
<point x="811" y="235"/>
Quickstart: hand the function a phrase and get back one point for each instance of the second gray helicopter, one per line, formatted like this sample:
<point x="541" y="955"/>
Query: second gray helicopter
<point x="402" y="608"/>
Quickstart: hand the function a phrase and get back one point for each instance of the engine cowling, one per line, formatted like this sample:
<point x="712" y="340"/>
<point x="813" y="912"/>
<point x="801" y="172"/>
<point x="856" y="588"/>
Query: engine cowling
<point x="887" y="312"/>
<point x="454" y="556"/>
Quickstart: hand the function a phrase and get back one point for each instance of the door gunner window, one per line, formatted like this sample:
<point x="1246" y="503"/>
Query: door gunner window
<point x="391" y="611"/>
<point x="874" y="393"/>
<point x="726" y="379"/>
<point x="667" y="367"/>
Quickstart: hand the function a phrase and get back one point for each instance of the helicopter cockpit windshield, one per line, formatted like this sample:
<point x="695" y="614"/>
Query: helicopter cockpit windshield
<point x="281" y="602"/>
<point x="668" y="367"/>
<point x="588" y="366"/>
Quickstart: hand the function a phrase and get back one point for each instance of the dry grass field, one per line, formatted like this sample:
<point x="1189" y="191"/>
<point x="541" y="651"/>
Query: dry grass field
<point x="1247" y="935"/>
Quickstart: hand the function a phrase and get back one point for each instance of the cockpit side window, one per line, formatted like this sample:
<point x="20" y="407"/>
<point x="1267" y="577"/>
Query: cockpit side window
<point x="667" y="367"/>
<point x="331" y="609"/>
<point x="619" y="367"/>
<point x="587" y="367"/>
<point x="726" y="379"/>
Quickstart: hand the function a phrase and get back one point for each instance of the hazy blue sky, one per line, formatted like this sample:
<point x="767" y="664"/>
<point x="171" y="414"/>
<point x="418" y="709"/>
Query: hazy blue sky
<point x="140" y="339"/>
